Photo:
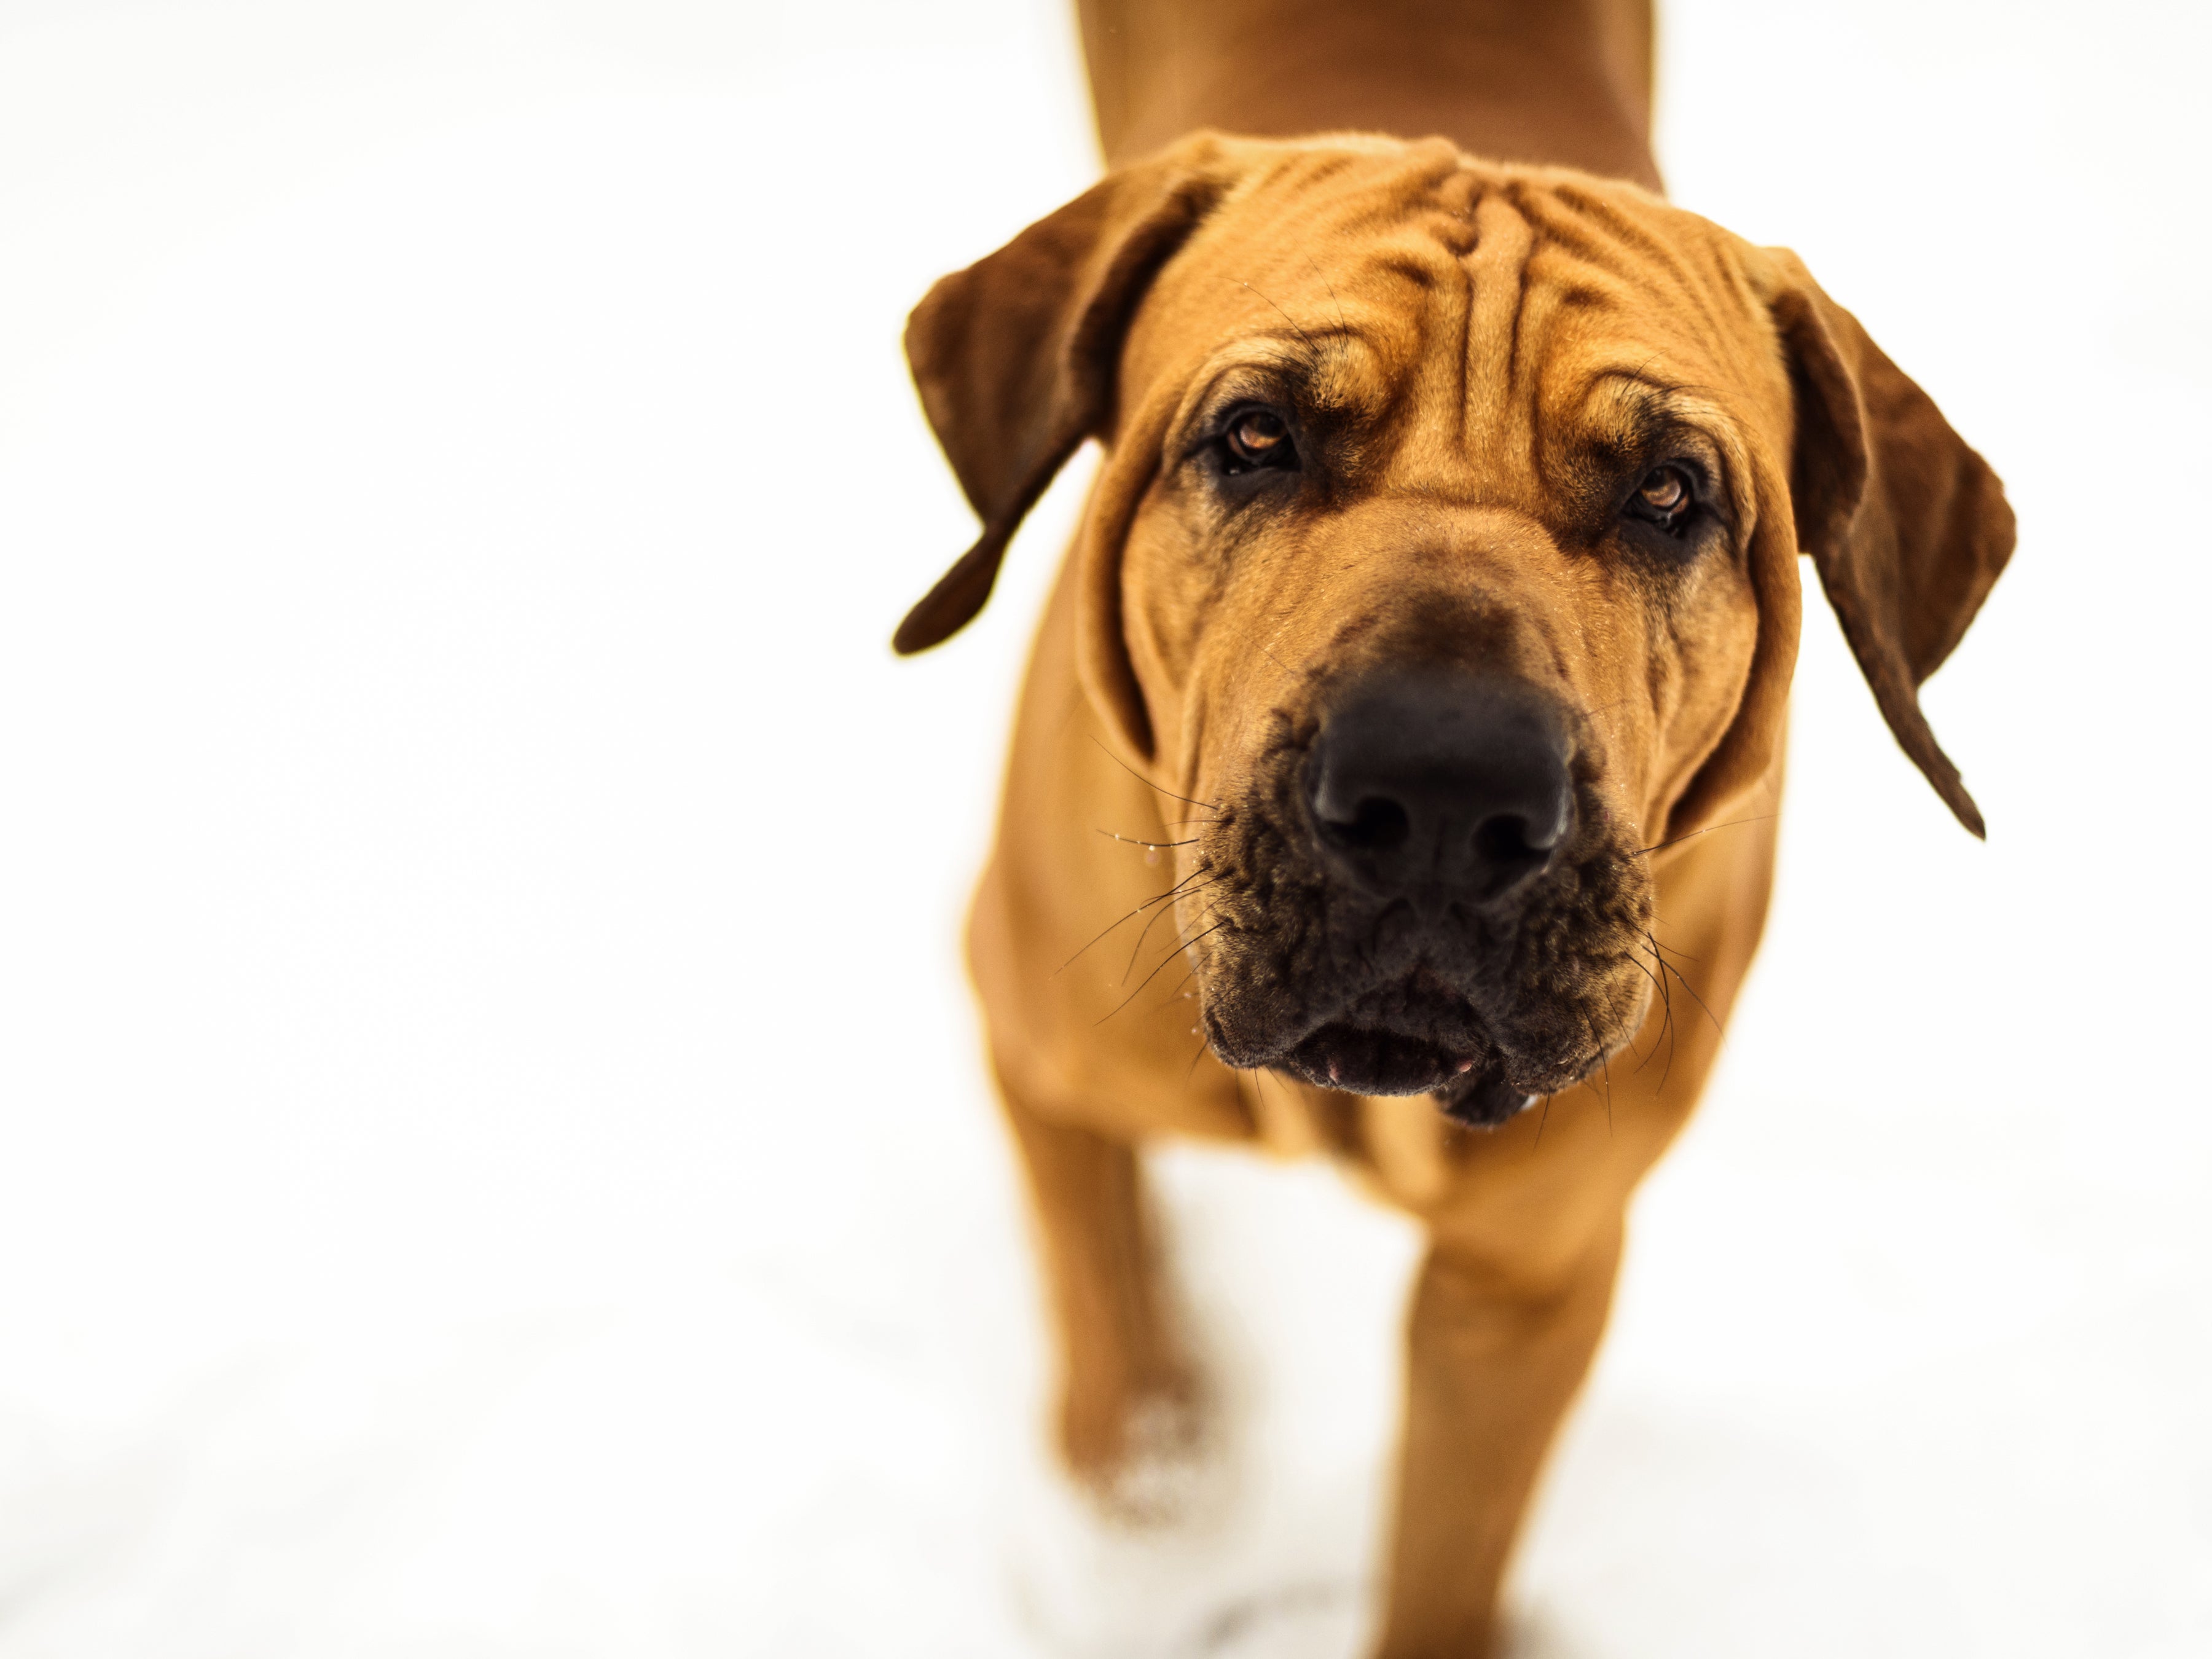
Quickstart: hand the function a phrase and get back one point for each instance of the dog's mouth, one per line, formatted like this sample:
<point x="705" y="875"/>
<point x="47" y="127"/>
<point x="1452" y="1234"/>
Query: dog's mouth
<point x="1417" y="1037"/>
<point x="1364" y="1060"/>
<point x="1303" y="971"/>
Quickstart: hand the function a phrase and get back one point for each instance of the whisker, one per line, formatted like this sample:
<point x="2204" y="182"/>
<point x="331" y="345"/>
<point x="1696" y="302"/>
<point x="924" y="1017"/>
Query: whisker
<point x="1146" y="933"/>
<point x="1692" y="835"/>
<point x="1693" y="990"/>
<point x="1176" y="993"/>
<point x="1667" y="1023"/>
<point x="1182" y="945"/>
<point x="1138" y="911"/>
<point x="1313" y="351"/>
<point x="1262" y="1077"/>
<point x="1608" y="1063"/>
<point x="1331" y="286"/>
<point x="1642" y="1061"/>
<point x="1605" y="1066"/>
<point x="1669" y="949"/>
<point x="1135" y="841"/>
<point x="1213" y="808"/>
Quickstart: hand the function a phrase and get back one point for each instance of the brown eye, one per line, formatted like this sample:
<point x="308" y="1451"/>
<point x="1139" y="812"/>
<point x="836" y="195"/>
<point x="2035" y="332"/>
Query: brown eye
<point x="1257" y="437"/>
<point x="1663" y="498"/>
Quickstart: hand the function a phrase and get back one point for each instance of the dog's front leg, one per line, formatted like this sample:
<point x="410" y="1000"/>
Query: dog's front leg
<point x="1127" y="1398"/>
<point x="1495" y="1355"/>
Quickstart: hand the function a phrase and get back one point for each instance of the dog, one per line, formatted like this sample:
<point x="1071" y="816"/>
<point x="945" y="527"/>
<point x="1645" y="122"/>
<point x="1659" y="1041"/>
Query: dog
<point x="1408" y="717"/>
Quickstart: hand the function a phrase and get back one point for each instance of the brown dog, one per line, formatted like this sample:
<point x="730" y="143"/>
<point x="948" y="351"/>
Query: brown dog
<point x="1437" y="597"/>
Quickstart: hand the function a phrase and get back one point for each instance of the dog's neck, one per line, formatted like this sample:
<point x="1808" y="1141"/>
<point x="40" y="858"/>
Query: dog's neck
<point x="1557" y="81"/>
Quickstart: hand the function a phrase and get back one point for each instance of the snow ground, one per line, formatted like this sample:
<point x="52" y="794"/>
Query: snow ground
<point x="496" y="1161"/>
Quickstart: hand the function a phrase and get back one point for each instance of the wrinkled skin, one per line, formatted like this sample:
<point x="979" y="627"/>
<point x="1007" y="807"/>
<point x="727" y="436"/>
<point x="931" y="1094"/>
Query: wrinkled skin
<point x="1481" y="371"/>
<point x="1476" y="382"/>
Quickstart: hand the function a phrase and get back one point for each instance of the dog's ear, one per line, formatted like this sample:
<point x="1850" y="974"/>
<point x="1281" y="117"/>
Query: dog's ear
<point x="1907" y="526"/>
<point x="1014" y="356"/>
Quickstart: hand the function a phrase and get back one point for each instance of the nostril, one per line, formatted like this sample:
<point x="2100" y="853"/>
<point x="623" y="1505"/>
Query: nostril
<point x="1439" y="788"/>
<point x="1504" y="840"/>
<point x="1378" y="824"/>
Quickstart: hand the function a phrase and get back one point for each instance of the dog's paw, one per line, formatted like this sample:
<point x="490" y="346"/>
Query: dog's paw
<point x="1167" y="1458"/>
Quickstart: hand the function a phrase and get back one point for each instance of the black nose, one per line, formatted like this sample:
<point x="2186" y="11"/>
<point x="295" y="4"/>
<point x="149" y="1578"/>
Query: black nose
<point x="1441" y="787"/>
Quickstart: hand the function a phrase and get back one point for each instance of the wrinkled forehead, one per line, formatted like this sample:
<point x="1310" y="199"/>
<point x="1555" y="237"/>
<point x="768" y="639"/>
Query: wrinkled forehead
<point x="1413" y="273"/>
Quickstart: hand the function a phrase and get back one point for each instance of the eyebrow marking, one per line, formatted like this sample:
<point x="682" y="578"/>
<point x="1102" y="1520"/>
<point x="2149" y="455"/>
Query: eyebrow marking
<point x="1646" y="409"/>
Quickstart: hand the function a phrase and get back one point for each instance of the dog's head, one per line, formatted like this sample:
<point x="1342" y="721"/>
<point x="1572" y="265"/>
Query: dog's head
<point x="1444" y="549"/>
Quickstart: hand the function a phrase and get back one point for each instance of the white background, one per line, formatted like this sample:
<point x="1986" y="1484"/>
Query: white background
<point x="492" y="1158"/>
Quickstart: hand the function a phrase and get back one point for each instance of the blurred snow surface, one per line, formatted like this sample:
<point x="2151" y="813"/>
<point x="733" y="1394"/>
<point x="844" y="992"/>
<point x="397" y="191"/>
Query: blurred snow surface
<point x="495" y="1158"/>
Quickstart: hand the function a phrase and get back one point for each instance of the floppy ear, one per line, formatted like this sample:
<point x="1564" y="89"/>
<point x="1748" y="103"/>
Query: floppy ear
<point x="1014" y="356"/>
<point x="1907" y="526"/>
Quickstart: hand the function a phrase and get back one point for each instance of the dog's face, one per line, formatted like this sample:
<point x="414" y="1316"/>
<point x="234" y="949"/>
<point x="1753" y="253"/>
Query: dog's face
<point x="1445" y="554"/>
<point x="1440" y="594"/>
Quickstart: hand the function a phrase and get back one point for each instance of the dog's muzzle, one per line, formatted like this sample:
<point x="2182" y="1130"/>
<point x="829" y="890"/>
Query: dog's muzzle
<point x="1435" y="802"/>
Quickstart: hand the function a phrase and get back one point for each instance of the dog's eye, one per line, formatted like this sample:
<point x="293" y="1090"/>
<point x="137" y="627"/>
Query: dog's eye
<point x="1258" y="438"/>
<point x="1664" y="498"/>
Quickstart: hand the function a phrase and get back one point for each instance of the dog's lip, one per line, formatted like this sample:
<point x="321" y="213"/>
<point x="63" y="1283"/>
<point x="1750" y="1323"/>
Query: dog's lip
<point x="1411" y="1036"/>
<point x="1367" y="1060"/>
<point x="1483" y="1098"/>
